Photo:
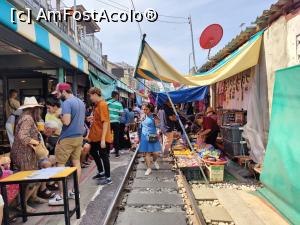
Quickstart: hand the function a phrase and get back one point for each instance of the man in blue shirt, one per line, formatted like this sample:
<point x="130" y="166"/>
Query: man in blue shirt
<point x="69" y="145"/>
<point x="130" y="116"/>
<point x="125" y="121"/>
<point x="167" y="125"/>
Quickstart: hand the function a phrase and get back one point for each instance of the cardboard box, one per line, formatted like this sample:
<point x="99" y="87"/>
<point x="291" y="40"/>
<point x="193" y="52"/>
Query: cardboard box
<point x="215" y="173"/>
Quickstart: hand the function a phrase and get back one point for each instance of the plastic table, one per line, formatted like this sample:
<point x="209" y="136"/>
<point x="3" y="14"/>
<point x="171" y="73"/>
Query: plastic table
<point x="24" y="178"/>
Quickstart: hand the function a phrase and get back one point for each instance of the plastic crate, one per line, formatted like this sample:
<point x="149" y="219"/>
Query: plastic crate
<point x="235" y="148"/>
<point x="192" y="173"/>
<point x="231" y="133"/>
<point x="224" y="132"/>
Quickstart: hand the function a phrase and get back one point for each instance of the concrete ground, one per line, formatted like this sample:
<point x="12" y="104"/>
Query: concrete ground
<point x="94" y="201"/>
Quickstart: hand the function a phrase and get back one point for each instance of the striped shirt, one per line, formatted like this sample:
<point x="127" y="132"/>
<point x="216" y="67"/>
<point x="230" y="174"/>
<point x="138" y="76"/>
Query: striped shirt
<point x="115" y="110"/>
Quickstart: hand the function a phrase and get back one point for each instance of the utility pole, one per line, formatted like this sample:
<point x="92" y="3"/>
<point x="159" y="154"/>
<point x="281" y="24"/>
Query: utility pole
<point x="189" y="72"/>
<point x="193" y="47"/>
<point x="58" y="5"/>
<point x="75" y="22"/>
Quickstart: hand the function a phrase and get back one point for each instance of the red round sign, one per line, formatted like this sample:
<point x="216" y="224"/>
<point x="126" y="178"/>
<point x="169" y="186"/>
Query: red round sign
<point x="211" y="36"/>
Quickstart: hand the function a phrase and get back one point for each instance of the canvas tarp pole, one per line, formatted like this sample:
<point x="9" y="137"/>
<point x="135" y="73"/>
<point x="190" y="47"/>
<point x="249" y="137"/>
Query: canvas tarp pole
<point x="177" y="116"/>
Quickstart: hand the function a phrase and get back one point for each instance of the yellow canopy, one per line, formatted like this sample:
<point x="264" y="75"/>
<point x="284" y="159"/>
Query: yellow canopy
<point x="151" y="66"/>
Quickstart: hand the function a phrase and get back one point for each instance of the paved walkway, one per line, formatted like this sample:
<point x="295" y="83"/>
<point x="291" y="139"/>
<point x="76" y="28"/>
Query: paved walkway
<point x="94" y="200"/>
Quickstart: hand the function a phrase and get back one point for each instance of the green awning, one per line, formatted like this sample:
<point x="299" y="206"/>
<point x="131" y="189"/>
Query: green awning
<point x="106" y="84"/>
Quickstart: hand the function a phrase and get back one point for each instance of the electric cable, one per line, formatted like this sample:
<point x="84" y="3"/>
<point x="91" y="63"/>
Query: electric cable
<point x="174" y="17"/>
<point x="117" y="3"/>
<point x="165" y="21"/>
<point x="116" y="7"/>
<point x="140" y="29"/>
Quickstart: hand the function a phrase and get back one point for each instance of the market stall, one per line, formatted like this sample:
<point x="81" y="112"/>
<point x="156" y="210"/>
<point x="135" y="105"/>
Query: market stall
<point x="232" y="97"/>
<point x="211" y="160"/>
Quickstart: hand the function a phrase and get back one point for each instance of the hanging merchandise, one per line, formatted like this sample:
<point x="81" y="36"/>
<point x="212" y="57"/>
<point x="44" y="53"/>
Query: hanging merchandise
<point x="233" y="93"/>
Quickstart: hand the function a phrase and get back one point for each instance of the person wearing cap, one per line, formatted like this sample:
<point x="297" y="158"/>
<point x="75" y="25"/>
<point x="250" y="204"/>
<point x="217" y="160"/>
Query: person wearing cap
<point x="69" y="145"/>
<point x="211" y="113"/>
<point x="26" y="137"/>
<point x="100" y="136"/>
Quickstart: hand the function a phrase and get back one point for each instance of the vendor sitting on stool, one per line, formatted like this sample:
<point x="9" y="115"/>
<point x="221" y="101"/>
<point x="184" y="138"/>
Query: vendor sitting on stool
<point x="210" y="129"/>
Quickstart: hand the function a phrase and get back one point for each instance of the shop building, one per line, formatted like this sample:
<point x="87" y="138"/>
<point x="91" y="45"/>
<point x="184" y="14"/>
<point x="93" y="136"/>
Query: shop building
<point x="35" y="57"/>
<point x="251" y="91"/>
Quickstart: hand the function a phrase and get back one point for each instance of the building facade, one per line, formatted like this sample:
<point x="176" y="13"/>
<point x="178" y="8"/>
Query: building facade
<point x="35" y="57"/>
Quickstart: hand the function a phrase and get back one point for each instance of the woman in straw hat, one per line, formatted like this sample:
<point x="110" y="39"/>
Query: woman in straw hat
<point x="26" y="137"/>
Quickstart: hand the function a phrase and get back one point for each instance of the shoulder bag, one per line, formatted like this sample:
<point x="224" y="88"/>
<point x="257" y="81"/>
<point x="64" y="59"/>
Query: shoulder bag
<point x="40" y="150"/>
<point x="152" y="138"/>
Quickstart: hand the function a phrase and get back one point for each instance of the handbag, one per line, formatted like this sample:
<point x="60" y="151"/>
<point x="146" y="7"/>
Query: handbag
<point x="40" y="150"/>
<point x="152" y="138"/>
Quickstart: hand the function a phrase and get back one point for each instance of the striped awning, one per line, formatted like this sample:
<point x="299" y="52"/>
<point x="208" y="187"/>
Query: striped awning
<point x="151" y="66"/>
<point x="39" y="35"/>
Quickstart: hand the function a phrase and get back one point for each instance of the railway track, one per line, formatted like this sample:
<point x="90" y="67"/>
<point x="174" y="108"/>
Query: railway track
<point x="165" y="198"/>
<point x="162" y="198"/>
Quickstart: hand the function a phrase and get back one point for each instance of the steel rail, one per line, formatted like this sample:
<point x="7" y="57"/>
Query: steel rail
<point x="112" y="212"/>
<point x="198" y="214"/>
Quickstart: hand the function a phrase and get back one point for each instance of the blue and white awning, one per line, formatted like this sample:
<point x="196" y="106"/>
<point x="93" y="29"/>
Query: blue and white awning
<point x="36" y="33"/>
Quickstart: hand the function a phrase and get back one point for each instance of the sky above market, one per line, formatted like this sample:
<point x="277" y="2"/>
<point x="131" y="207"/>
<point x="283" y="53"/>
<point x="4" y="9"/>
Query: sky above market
<point x="121" y="41"/>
